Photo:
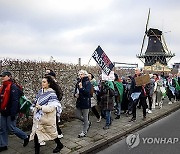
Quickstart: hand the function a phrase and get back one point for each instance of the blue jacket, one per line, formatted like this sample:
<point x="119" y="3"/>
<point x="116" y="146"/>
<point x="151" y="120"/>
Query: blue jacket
<point x="84" y="99"/>
<point x="13" y="105"/>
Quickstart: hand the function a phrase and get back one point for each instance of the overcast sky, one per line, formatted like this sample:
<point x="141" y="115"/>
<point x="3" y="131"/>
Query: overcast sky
<point x="69" y="29"/>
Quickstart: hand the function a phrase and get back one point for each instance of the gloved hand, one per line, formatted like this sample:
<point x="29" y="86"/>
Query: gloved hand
<point x="12" y="118"/>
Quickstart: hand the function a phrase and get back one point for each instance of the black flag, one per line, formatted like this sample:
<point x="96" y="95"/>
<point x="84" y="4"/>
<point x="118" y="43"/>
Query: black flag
<point x="102" y="59"/>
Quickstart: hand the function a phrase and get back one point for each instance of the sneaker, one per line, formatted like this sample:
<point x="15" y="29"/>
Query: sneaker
<point x="132" y="119"/>
<point x="42" y="143"/>
<point x="128" y="114"/>
<point x="149" y="111"/>
<point x="170" y="102"/>
<point x="82" y="135"/>
<point x="106" y="127"/>
<point x="3" y="148"/>
<point x="60" y="136"/>
<point x="99" y="120"/>
<point x="26" y="141"/>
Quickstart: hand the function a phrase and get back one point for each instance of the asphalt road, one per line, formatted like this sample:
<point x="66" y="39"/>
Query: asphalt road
<point x="161" y="137"/>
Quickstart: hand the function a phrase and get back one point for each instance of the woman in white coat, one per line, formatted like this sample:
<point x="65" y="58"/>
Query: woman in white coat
<point x="46" y="107"/>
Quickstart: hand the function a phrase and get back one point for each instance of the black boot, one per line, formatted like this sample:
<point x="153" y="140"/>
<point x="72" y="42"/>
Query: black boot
<point x="36" y="144"/>
<point x="59" y="146"/>
<point x="37" y="149"/>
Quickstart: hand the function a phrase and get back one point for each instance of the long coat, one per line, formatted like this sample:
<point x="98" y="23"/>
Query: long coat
<point x="44" y="120"/>
<point x="45" y="128"/>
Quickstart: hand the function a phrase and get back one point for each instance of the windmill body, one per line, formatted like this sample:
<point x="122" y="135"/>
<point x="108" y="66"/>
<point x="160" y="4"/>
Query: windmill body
<point x="156" y="51"/>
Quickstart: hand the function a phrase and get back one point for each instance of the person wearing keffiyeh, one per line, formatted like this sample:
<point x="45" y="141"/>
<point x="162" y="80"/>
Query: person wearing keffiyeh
<point x="46" y="108"/>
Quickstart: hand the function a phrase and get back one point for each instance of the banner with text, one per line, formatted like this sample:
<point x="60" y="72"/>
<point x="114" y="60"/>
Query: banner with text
<point x="103" y="61"/>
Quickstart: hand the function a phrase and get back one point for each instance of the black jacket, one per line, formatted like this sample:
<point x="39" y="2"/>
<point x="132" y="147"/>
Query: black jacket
<point x="135" y="88"/>
<point x="84" y="99"/>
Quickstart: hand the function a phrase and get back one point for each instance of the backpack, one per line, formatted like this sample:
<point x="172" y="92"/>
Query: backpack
<point x="92" y="90"/>
<point x="24" y="103"/>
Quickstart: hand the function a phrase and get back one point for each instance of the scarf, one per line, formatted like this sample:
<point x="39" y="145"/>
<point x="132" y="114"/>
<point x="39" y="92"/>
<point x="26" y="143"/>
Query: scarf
<point x="177" y="84"/>
<point x="110" y="84"/>
<point x="47" y="98"/>
<point x="120" y="88"/>
<point x="5" y="94"/>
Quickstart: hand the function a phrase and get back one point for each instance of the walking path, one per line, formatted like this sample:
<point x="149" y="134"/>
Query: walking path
<point x="96" y="137"/>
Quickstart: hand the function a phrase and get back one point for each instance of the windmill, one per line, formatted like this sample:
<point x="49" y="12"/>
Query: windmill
<point x="157" y="50"/>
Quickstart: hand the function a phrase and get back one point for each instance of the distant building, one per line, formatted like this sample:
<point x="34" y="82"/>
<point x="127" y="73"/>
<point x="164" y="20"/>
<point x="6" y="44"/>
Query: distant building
<point x="176" y="67"/>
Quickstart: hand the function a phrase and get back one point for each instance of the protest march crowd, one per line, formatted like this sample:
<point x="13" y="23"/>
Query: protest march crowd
<point x="120" y="95"/>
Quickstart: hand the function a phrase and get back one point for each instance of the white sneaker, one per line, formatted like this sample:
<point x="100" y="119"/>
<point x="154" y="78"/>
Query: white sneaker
<point x="170" y="102"/>
<point x="42" y="143"/>
<point x="60" y="136"/>
<point x="82" y="135"/>
<point x="149" y="111"/>
<point x="99" y="120"/>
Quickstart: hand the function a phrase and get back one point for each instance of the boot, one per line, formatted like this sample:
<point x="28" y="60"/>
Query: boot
<point x="59" y="146"/>
<point x="37" y="149"/>
<point x="36" y="144"/>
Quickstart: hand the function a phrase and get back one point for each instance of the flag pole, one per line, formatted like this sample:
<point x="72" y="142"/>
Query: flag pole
<point x="89" y="60"/>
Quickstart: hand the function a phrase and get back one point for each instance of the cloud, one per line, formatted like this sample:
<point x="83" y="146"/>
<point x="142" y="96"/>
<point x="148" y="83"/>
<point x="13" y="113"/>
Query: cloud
<point x="68" y="29"/>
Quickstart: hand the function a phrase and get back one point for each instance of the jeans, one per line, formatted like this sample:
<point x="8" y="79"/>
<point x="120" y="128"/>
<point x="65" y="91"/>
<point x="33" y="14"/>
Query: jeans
<point x="7" y="125"/>
<point x="118" y="108"/>
<point x="83" y="115"/>
<point x="108" y="117"/>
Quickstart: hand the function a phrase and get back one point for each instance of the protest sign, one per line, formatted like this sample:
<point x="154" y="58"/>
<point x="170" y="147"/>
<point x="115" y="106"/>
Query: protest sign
<point x="103" y="61"/>
<point x="142" y="80"/>
<point x="109" y="77"/>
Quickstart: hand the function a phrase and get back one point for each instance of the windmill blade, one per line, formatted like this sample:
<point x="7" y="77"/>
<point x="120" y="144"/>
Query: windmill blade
<point x="147" y="22"/>
<point x="164" y="42"/>
<point x="143" y="43"/>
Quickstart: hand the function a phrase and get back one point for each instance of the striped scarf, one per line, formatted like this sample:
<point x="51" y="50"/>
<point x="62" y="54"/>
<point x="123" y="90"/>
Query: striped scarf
<point x="47" y="98"/>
